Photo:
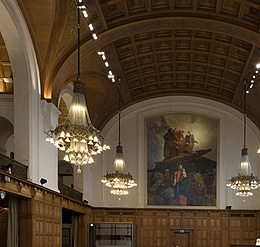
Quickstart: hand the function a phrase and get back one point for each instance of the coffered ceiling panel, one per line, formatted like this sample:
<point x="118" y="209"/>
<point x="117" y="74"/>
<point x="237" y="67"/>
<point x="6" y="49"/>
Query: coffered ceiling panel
<point x="203" y="48"/>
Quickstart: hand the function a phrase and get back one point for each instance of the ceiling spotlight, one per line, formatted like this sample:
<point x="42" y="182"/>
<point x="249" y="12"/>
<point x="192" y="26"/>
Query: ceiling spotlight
<point x="258" y="65"/>
<point x="91" y="28"/>
<point x="94" y="36"/>
<point x="8" y="79"/>
<point x="2" y="194"/>
<point x="85" y="14"/>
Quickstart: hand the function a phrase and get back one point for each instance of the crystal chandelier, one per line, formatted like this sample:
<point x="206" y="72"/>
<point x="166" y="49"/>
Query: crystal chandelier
<point x="76" y="136"/>
<point x="245" y="181"/>
<point x="119" y="180"/>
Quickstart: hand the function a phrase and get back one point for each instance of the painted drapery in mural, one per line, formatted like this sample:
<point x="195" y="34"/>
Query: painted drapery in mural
<point x="181" y="160"/>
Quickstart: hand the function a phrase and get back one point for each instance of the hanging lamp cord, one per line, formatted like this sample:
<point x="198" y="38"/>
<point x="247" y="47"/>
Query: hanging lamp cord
<point x="119" y="112"/>
<point x="78" y="28"/>
<point x="244" y="114"/>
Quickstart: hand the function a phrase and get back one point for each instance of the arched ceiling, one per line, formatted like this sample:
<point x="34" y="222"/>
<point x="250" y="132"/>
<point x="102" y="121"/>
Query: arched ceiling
<point x="6" y="77"/>
<point x="203" y="48"/>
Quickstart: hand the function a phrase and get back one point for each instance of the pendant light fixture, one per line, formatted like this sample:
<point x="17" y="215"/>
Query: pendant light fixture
<point x="76" y="135"/>
<point x="245" y="181"/>
<point x="119" y="180"/>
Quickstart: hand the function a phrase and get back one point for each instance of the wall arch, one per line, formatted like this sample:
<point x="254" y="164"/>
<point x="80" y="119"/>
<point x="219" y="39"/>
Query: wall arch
<point x="133" y="139"/>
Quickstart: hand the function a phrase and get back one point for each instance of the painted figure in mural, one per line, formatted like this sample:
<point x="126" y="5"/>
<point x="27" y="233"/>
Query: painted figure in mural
<point x="189" y="141"/>
<point x="170" y="145"/>
<point x="180" y="139"/>
<point x="180" y="184"/>
<point x="200" y="185"/>
<point x="167" y="179"/>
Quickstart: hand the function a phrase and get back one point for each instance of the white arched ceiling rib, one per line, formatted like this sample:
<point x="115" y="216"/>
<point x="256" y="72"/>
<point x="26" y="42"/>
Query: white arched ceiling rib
<point x="26" y="85"/>
<point x="17" y="37"/>
<point x="67" y="94"/>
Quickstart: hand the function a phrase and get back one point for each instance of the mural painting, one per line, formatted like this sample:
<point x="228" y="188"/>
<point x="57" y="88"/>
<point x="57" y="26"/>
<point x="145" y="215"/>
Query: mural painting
<point x="181" y="160"/>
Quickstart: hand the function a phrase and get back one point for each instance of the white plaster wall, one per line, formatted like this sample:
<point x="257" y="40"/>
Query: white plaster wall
<point x="133" y="138"/>
<point x="7" y="107"/>
<point x="48" y="156"/>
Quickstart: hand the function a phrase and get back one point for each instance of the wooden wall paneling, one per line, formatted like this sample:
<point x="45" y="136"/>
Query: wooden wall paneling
<point x="187" y="220"/>
<point x="161" y="219"/>
<point x="161" y="237"/>
<point x="235" y="237"/>
<point x="175" y="219"/>
<point x="40" y="221"/>
<point x="257" y="223"/>
<point x="113" y="217"/>
<point x="243" y="228"/>
<point x="47" y="219"/>
<point x="83" y="221"/>
<point x="215" y="230"/>
<point x="57" y="220"/>
<point x="99" y="215"/>
<point x="162" y="228"/>
<point x="128" y="216"/>
<point x="146" y="237"/>
<point x="201" y="237"/>
<point x="25" y="222"/>
<point x="3" y="226"/>
<point x="249" y="225"/>
<point x="148" y="219"/>
<point x="201" y="233"/>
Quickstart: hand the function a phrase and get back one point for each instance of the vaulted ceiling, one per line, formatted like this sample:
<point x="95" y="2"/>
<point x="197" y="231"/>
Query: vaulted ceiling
<point x="203" y="48"/>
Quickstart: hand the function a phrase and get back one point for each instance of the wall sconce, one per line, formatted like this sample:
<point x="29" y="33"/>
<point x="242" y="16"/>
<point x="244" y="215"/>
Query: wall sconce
<point x="2" y="194"/>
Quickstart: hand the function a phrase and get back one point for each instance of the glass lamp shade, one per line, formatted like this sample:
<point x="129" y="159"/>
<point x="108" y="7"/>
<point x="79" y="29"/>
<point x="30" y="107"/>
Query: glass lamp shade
<point x="119" y="163"/>
<point x="244" y="168"/>
<point x="76" y="136"/>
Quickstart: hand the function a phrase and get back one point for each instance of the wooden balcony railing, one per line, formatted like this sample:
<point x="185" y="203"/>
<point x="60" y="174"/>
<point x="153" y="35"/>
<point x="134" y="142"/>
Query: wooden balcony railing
<point x="18" y="169"/>
<point x="69" y="192"/>
<point x="12" y="166"/>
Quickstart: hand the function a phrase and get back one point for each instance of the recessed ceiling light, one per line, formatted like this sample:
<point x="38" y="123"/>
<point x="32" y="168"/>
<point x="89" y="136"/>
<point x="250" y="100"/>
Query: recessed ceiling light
<point x="8" y="79"/>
